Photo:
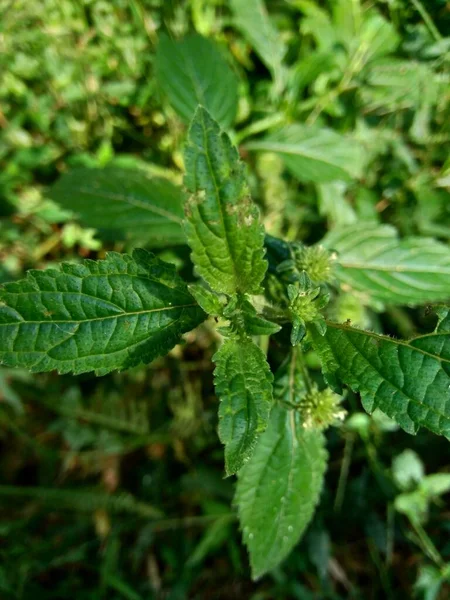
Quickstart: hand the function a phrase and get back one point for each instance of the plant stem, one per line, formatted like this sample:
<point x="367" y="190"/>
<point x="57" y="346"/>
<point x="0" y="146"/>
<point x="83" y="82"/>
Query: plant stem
<point x="426" y="544"/>
<point x="427" y="19"/>
<point x="343" y="475"/>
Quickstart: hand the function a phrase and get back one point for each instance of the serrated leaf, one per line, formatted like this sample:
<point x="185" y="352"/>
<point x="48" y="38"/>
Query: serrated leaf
<point x="95" y="315"/>
<point x="207" y="300"/>
<point x="408" y="381"/>
<point x="313" y="153"/>
<point x="278" y="489"/>
<point x="222" y="223"/>
<point x="244" y="317"/>
<point x="192" y="71"/>
<point x="372" y="260"/>
<point x="124" y="200"/>
<point x="251" y="17"/>
<point x="257" y="325"/>
<point x="243" y="383"/>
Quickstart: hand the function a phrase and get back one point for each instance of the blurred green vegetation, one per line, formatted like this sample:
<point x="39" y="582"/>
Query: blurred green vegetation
<point x="113" y="487"/>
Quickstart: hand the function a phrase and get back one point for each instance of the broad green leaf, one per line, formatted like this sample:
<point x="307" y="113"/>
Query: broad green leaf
<point x="278" y="489"/>
<point x="222" y="223"/>
<point x="251" y="17"/>
<point x="313" y="153"/>
<point x="96" y="315"/>
<point x="192" y="71"/>
<point x="243" y="383"/>
<point x="374" y="261"/>
<point x="124" y="200"/>
<point x="408" y="381"/>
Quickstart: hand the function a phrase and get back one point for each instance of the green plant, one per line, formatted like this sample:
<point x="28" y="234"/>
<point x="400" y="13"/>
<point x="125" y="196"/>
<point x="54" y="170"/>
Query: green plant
<point x="116" y="313"/>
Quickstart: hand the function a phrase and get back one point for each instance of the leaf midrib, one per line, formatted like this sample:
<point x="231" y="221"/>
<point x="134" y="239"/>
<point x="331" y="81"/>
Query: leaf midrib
<point x="90" y="320"/>
<point x="386" y="338"/>
<point x="220" y="207"/>
<point x="384" y="377"/>
<point x="395" y="268"/>
<point x="132" y="201"/>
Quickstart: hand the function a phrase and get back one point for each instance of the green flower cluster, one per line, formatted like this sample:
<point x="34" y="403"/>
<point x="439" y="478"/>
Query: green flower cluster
<point x="305" y="305"/>
<point x="320" y="409"/>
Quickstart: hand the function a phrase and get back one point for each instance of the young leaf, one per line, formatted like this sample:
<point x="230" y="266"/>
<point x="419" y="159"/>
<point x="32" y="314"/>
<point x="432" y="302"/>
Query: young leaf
<point x="244" y="317"/>
<point x="243" y="383"/>
<point x="124" y="200"/>
<point x="192" y="71"/>
<point x="372" y="260"/>
<point x="208" y="301"/>
<point x="222" y="223"/>
<point x="409" y="381"/>
<point x="250" y="16"/>
<point x="313" y="153"/>
<point x="278" y="489"/>
<point x="96" y="315"/>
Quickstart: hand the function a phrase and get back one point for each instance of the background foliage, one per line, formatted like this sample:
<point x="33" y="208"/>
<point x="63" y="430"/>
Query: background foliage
<point x="113" y="487"/>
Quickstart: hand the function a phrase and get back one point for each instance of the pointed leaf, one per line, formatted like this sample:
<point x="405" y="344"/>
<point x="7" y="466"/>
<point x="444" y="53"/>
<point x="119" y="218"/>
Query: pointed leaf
<point x="314" y="154"/>
<point x="278" y="489"/>
<point x="192" y="71"/>
<point x="243" y="382"/>
<point x="209" y="301"/>
<point x="96" y="315"/>
<point x="124" y="200"/>
<point x="409" y="381"/>
<point x="372" y="260"/>
<point x="245" y="318"/>
<point x="251" y="17"/>
<point x="222" y="223"/>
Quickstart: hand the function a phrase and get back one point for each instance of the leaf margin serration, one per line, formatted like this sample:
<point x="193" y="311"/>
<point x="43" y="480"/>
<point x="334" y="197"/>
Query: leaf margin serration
<point x="142" y="265"/>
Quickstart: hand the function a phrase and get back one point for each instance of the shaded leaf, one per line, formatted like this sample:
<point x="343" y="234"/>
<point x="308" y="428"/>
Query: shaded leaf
<point x="372" y="260"/>
<point x="251" y="17"/>
<point x="313" y="153"/>
<point x="243" y="383"/>
<point x="95" y="315"/>
<point x="222" y="223"/>
<point x="192" y="71"/>
<point x="124" y="200"/>
<point x="278" y="489"/>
